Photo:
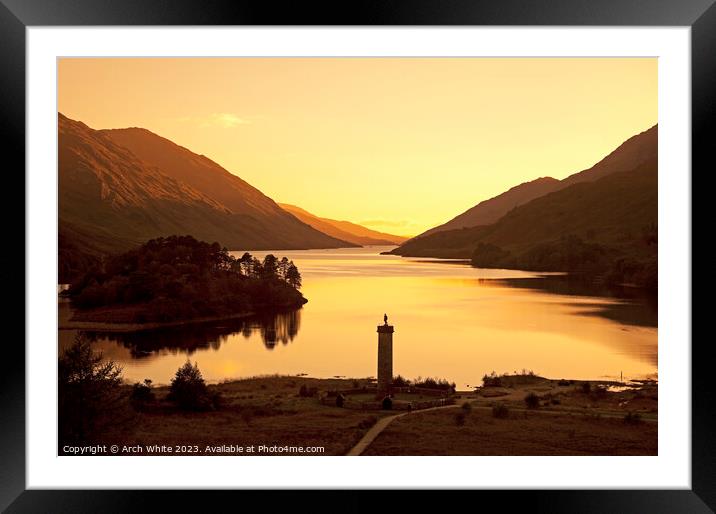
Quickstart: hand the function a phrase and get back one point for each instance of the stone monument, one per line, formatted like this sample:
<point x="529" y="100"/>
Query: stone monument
<point x="385" y="357"/>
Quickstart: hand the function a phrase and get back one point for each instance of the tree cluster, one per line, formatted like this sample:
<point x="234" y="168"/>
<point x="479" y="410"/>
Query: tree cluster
<point x="179" y="277"/>
<point x="270" y="268"/>
<point x="633" y="263"/>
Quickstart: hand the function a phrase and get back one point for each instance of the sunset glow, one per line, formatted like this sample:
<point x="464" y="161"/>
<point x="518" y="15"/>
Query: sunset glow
<point x="398" y="145"/>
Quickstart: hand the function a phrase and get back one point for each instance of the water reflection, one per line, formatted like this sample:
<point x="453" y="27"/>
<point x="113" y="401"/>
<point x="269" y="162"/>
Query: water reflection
<point x="452" y="321"/>
<point x="188" y="339"/>
<point x="278" y="328"/>
<point x="629" y="305"/>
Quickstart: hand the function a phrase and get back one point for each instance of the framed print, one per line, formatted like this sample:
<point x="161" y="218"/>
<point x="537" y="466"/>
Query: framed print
<point x="421" y="247"/>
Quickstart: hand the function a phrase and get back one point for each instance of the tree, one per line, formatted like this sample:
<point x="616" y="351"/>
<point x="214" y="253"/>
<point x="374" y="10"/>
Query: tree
<point x="487" y="255"/>
<point x="256" y="268"/>
<point x="245" y="263"/>
<point x="188" y="389"/>
<point x="88" y="392"/>
<point x="270" y="267"/>
<point x="283" y="265"/>
<point x="293" y="277"/>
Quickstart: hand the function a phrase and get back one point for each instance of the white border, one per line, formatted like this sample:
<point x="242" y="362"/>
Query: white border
<point x="671" y="469"/>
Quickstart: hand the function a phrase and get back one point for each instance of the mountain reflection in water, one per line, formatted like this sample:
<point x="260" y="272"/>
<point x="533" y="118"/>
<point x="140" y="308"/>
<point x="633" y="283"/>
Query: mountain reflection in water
<point x="631" y="306"/>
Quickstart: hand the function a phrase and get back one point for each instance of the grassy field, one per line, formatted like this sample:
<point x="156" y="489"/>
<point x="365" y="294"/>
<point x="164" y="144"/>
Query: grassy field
<point x="569" y="419"/>
<point x="258" y="411"/>
<point x="522" y="433"/>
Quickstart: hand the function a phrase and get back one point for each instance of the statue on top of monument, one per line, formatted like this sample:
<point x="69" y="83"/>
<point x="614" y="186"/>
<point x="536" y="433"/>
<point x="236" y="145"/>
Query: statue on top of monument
<point x="385" y="319"/>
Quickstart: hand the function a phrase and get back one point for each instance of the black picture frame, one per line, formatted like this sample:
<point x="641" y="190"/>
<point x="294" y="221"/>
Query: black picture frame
<point x="16" y="15"/>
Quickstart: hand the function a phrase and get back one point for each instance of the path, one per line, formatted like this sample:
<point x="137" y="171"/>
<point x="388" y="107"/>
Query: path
<point x="381" y="424"/>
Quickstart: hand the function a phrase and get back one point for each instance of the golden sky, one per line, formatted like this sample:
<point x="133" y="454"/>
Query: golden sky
<point x="397" y="144"/>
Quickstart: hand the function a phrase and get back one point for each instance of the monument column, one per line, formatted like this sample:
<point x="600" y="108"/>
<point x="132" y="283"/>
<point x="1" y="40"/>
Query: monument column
<point x="385" y="357"/>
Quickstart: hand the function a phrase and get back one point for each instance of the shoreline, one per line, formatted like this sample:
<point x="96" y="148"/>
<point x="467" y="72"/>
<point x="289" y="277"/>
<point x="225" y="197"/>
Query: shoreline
<point x="579" y="275"/>
<point x="105" y="326"/>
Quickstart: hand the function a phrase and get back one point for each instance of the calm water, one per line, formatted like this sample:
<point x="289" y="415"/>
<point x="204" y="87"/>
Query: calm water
<point x="451" y="321"/>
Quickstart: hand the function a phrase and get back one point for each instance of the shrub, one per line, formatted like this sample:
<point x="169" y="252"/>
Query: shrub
<point x="460" y="419"/>
<point x="532" y="401"/>
<point x="500" y="411"/>
<point x="188" y="389"/>
<point x="142" y="394"/>
<point x="467" y="407"/>
<point x="387" y="403"/>
<point x="89" y="392"/>
<point x="492" y="380"/>
<point x="632" y="418"/>
<point x="564" y="382"/>
<point x="400" y="381"/>
<point x="433" y="383"/>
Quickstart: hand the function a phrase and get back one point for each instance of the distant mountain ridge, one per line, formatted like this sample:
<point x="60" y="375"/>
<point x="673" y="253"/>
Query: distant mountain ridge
<point x="489" y="211"/>
<point x="344" y="230"/>
<point x="630" y="154"/>
<point x="616" y="213"/>
<point x="605" y="227"/>
<point x="119" y="188"/>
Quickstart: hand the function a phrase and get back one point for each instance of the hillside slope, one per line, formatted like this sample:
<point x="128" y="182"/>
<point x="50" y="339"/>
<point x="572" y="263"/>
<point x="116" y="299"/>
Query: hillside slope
<point x="631" y="153"/>
<point x="273" y="228"/>
<point x="489" y="211"/>
<point x="111" y="199"/>
<point x="605" y="226"/>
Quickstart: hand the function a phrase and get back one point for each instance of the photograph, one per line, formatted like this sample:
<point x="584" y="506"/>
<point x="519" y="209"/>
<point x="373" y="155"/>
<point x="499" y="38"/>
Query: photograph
<point x="357" y="256"/>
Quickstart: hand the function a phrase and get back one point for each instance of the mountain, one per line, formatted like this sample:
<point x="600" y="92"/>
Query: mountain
<point x="630" y="154"/>
<point x="606" y="226"/>
<point x="118" y="189"/>
<point x="614" y="211"/>
<point x="344" y="230"/>
<point x="493" y="209"/>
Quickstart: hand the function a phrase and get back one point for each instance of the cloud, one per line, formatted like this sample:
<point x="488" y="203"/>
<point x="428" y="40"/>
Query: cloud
<point x="227" y="120"/>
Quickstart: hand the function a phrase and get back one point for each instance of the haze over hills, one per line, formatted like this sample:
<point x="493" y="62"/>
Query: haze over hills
<point x="630" y="154"/>
<point x="344" y="230"/>
<point x="607" y="225"/>
<point x="120" y="188"/>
